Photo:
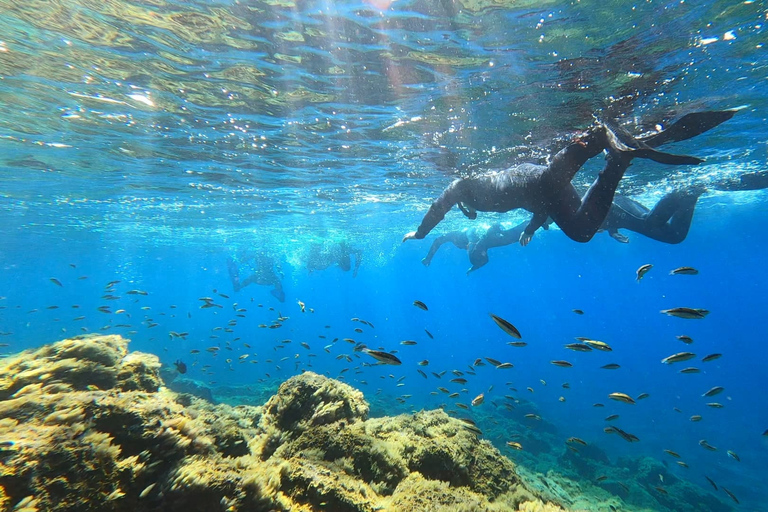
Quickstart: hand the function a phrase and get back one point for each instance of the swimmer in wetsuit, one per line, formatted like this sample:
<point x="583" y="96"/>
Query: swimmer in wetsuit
<point x="547" y="192"/>
<point x="263" y="274"/>
<point x="322" y="256"/>
<point x="669" y="221"/>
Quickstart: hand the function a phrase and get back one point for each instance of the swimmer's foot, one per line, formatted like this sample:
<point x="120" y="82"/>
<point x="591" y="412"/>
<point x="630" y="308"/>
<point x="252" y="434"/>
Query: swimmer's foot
<point x="621" y="143"/>
<point x="748" y="181"/>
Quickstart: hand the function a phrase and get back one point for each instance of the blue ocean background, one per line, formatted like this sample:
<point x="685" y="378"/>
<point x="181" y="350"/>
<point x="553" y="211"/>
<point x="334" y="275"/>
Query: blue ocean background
<point x="150" y="142"/>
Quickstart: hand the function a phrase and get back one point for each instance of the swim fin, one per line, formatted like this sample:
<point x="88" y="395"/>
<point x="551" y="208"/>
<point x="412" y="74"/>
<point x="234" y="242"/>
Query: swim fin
<point x="621" y="141"/>
<point x="689" y="126"/>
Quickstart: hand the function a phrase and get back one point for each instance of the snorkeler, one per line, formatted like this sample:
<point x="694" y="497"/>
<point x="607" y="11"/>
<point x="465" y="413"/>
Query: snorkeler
<point x="263" y="274"/>
<point x="547" y="192"/>
<point x="669" y="221"/>
<point x="322" y="256"/>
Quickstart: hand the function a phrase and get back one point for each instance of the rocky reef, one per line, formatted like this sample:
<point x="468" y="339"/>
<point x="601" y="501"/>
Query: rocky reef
<point x="85" y="425"/>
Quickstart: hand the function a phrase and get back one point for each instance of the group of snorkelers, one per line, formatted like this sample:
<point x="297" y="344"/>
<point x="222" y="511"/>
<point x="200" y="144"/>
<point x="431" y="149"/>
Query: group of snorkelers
<point x="547" y="192"/>
<point x="263" y="270"/>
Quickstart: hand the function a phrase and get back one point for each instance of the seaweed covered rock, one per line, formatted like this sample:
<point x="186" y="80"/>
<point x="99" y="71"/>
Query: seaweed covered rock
<point x="313" y="400"/>
<point x="86" y="426"/>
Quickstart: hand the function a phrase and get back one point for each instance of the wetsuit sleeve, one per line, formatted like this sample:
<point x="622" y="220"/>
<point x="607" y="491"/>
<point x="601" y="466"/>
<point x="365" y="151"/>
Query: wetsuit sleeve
<point x="442" y="205"/>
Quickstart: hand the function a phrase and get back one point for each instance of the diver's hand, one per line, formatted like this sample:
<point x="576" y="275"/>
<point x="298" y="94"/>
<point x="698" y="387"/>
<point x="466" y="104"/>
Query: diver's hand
<point x="525" y="238"/>
<point x="409" y="236"/>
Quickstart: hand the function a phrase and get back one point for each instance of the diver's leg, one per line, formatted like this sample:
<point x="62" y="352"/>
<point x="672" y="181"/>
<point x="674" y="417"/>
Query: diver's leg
<point x="670" y="220"/>
<point x="580" y="218"/>
<point x="234" y="275"/>
<point x="748" y="181"/>
<point x="457" y="238"/>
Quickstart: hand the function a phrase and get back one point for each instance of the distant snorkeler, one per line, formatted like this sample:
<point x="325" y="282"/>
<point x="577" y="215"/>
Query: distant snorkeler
<point x="669" y="221"/>
<point x="263" y="274"/>
<point x="547" y="192"/>
<point x="321" y="256"/>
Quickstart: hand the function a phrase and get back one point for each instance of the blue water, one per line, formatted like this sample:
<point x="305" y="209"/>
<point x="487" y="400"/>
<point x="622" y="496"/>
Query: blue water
<point x="150" y="144"/>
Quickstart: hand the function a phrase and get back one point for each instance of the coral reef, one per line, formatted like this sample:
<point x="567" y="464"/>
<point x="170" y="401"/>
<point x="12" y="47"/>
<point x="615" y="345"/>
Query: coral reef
<point x="85" y="425"/>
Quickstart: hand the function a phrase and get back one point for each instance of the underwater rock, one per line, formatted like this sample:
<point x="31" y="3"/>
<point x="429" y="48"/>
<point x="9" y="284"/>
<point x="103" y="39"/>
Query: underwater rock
<point x="86" y="426"/>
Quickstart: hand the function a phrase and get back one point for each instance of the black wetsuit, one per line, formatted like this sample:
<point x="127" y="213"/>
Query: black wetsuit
<point x="547" y="192"/>
<point x="340" y="254"/>
<point x="669" y="221"/>
<point x="264" y="274"/>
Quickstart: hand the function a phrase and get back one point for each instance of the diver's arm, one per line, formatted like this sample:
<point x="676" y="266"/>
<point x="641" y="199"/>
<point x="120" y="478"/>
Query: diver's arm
<point x="535" y="223"/>
<point x="442" y="205"/>
<point x="457" y="238"/>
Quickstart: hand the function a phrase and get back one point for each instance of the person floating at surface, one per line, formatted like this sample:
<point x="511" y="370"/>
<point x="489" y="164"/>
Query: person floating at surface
<point x="264" y="274"/>
<point x="322" y="256"/>
<point x="669" y="221"/>
<point x="546" y="191"/>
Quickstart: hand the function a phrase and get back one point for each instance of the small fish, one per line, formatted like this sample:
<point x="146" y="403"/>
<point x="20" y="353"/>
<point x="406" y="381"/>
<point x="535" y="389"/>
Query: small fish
<point x="136" y="292"/>
<point x="420" y="305"/>
<point x="459" y="380"/>
<point x="681" y="464"/>
<point x="425" y="362"/>
<point x="601" y="478"/>
<point x="514" y="445"/>
<point x="479" y="399"/>
<point x="180" y="366"/>
<point x="684" y="271"/>
<point x="685" y="339"/>
<point x="301" y="305"/>
<point x="730" y="494"/>
<point x="715" y="405"/>
<point x="504" y="366"/>
<point x="56" y="281"/>
<point x="358" y="330"/>
<point x="621" y="397"/>
<point x="384" y="357"/>
<point x="704" y="444"/>
<point x="598" y="345"/>
<point x="492" y="361"/>
<point x="711" y="357"/>
<point x="578" y="311"/>
<point x="676" y="358"/>
<point x="695" y="418"/>
<point x="733" y="455"/>
<point x="690" y="369"/>
<point x="429" y="334"/>
<point x="690" y="313"/>
<point x="422" y="373"/>
<point x="506" y="326"/>
<point x="579" y="347"/>
<point x="643" y="270"/>
<point x="610" y="366"/>
<point x="612" y="417"/>
<point x="532" y="416"/>
<point x="642" y="396"/>
<point x="563" y="364"/>
<point x="462" y="406"/>
<point x="714" y="391"/>
<point x="517" y="343"/>
<point x="630" y="438"/>
<point x="674" y="454"/>
<point x="712" y="482"/>
<point x="576" y="440"/>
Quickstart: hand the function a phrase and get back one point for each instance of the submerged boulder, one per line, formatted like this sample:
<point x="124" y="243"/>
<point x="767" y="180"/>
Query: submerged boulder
<point x="86" y="425"/>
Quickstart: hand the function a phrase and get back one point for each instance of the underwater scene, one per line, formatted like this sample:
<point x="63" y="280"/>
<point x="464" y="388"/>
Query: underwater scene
<point x="383" y="255"/>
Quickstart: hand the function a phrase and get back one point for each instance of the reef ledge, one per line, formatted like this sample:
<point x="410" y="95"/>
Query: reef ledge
<point x="85" y="425"/>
